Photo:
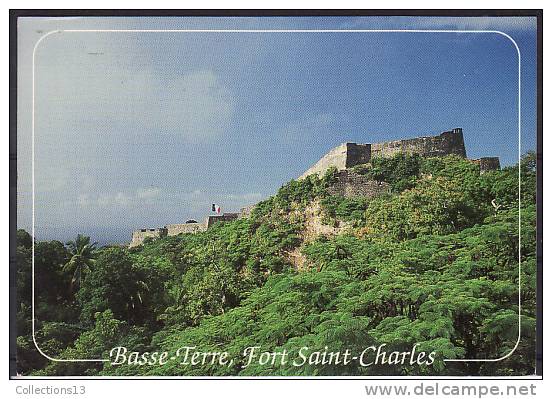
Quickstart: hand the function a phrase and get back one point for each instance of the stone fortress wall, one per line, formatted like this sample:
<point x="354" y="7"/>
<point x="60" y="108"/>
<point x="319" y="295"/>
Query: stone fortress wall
<point x="347" y="155"/>
<point x="486" y="164"/>
<point x="343" y="156"/>
<point x="138" y="236"/>
<point x="447" y="143"/>
<point x="348" y="184"/>
<point x="225" y="217"/>
<point x="184" y="228"/>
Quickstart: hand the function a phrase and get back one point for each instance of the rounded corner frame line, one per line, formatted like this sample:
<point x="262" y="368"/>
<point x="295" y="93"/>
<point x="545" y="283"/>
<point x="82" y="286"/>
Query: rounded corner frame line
<point x="50" y="33"/>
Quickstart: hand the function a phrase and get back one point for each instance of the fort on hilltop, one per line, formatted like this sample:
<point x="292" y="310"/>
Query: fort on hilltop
<point x="347" y="155"/>
<point x="348" y="183"/>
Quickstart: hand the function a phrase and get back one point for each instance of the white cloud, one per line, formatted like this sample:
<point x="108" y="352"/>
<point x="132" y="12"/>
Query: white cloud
<point x="105" y="200"/>
<point x="122" y="199"/>
<point x="92" y="92"/>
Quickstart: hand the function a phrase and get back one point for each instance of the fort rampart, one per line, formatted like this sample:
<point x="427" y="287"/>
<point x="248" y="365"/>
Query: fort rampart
<point x="348" y="184"/>
<point x="138" y="236"/>
<point x="347" y="155"/>
<point x="447" y="143"/>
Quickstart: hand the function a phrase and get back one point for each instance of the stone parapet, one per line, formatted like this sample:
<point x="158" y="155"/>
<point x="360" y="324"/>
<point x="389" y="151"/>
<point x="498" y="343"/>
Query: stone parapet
<point x="349" y="184"/>
<point x="347" y="155"/>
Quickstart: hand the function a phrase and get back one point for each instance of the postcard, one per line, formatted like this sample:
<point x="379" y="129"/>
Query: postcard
<point x="262" y="196"/>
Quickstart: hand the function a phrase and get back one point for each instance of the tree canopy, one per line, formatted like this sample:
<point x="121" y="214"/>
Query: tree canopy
<point x="440" y="262"/>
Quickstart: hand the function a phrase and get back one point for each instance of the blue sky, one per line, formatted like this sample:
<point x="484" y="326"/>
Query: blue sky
<point x="145" y="129"/>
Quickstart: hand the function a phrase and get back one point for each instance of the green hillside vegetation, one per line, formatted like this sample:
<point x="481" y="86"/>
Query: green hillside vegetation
<point x="433" y="262"/>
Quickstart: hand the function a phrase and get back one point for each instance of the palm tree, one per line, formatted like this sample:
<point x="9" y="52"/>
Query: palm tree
<point x="83" y="255"/>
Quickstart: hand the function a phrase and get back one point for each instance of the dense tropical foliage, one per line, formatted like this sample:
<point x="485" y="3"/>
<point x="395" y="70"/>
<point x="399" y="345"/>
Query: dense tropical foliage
<point x="435" y="262"/>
